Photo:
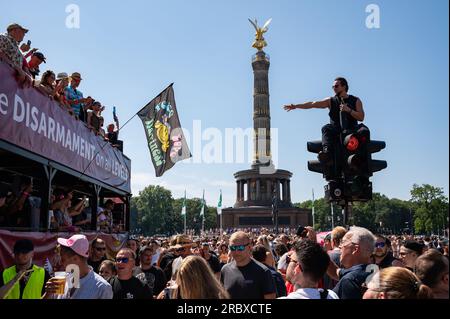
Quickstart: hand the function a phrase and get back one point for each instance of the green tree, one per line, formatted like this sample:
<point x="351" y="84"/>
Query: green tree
<point x="193" y="218"/>
<point x="322" y="213"/>
<point x="381" y="214"/>
<point x="430" y="208"/>
<point x="370" y="214"/>
<point x="154" y="211"/>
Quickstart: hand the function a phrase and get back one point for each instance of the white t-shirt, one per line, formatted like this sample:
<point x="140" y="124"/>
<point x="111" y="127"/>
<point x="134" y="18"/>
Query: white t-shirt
<point x="92" y="286"/>
<point x="282" y="262"/>
<point x="309" y="293"/>
<point x="156" y="256"/>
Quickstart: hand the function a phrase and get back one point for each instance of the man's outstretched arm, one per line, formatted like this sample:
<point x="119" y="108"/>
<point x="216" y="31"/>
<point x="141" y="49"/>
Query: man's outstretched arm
<point x="309" y="105"/>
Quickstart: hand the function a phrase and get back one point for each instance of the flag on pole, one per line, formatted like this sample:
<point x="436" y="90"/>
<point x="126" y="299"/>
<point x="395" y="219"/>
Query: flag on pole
<point x="165" y="137"/>
<point x="183" y="209"/>
<point x="202" y="211"/>
<point x="219" y="204"/>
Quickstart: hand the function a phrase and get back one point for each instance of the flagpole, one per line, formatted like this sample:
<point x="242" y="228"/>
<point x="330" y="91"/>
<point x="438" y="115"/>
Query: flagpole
<point x="120" y="128"/>
<point x="149" y="102"/>
<point x="183" y="211"/>
<point x="221" y="230"/>
<point x="203" y="217"/>
<point x="332" y="216"/>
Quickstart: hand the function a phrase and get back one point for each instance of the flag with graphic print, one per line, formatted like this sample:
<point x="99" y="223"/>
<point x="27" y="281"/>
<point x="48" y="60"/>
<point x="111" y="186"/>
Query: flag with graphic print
<point x="165" y="137"/>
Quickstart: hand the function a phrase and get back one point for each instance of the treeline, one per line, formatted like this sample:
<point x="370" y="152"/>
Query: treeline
<point x="426" y="212"/>
<point x="155" y="211"/>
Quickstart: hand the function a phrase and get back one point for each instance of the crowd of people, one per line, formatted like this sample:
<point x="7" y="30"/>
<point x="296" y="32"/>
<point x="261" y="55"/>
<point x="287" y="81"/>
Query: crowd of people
<point x="60" y="87"/>
<point x="348" y="264"/>
<point x="69" y="211"/>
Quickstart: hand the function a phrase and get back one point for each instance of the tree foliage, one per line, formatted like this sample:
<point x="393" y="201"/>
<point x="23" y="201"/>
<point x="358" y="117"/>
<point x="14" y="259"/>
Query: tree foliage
<point x="426" y="212"/>
<point x="431" y="208"/>
<point x="155" y="211"/>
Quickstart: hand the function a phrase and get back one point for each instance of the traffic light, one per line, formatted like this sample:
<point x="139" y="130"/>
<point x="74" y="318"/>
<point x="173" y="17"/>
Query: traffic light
<point x="335" y="191"/>
<point x="355" y="154"/>
<point x="315" y="166"/>
<point x="375" y="165"/>
<point x="351" y="167"/>
<point x="330" y="169"/>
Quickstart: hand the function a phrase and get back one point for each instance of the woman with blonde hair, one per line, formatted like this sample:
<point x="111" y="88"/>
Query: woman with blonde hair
<point x="264" y="241"/>
<point x="396" y="283"/>
<point x="195" y="280"/>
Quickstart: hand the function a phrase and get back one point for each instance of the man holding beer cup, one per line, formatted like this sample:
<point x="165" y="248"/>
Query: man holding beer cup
<point x="74" y="252"/>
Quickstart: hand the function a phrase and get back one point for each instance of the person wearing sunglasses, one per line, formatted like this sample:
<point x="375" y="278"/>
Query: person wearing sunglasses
<point x="124" y="284"/>
<point x="409" y="252"/>
<point x="244" y="277"/>
<point x="382" y="254"/>
<point x="356" y="255"/>
<point x="24" y="279"/>
<point x="97" y="254"/>
<point x="306" y="267"/>
<point x="75" y="251"/>
<point x="352" y="109"/>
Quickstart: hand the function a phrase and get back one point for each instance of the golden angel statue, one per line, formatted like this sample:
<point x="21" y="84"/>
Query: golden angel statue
<point x="259" y="42"/>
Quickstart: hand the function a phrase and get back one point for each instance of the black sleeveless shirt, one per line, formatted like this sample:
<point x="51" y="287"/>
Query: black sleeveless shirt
<point x="334" y="111"/>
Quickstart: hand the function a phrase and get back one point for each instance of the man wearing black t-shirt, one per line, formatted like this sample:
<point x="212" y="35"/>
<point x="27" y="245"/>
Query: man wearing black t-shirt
<point x="245" y="278"/>
<point x="124" y="285"/>
<point x="351" y="109"/>
<point x="152" y="275"/>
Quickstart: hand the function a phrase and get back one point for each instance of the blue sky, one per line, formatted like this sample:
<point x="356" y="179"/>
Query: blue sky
<point x="127" y="52"/>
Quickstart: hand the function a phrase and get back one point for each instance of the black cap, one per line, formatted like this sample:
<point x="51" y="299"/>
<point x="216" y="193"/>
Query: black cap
<point x="414" y="245"/>
<point x="40" y="56"/>
<point x="23" y="246"/>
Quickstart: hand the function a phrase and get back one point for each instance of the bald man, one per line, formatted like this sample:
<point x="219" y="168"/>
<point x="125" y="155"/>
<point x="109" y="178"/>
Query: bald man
<point x="244" y="277"/>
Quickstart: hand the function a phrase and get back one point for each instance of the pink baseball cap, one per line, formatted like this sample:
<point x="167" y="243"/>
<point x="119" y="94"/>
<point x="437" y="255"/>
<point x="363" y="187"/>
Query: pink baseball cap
<point x="78" y="243"/>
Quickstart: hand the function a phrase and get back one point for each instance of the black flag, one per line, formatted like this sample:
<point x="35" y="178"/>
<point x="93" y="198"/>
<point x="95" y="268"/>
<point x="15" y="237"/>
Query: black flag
<point x="165" y="138"/>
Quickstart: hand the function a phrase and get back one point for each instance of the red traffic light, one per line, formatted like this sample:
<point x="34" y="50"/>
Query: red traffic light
<point x="351" y="143"/>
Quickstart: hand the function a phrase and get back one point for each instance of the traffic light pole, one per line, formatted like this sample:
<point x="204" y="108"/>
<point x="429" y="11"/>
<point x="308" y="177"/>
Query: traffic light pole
<point x="347" y="213"/>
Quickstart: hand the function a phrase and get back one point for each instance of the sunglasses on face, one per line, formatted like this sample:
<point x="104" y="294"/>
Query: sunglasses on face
<point x="100" y="248"/>
<point x="380" y="245"/>
<point x="123" y="260"/>
<point x="335" y="86"/>
<point x="238" y="247"/>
